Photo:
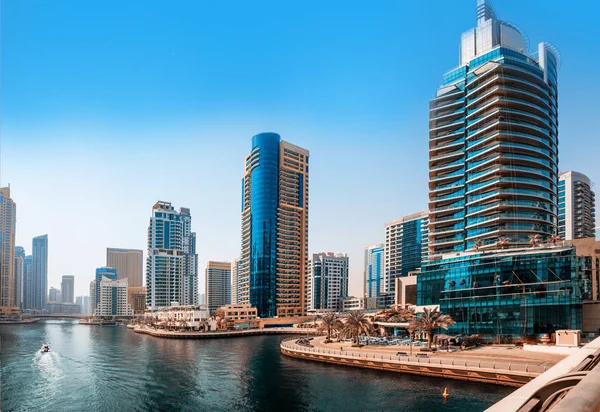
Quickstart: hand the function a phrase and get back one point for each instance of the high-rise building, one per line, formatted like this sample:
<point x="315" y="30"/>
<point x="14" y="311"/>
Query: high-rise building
<point x="113" y="298"/>
<point x="92" y="301"/>
<point x="172" y="262"/>
<point x="54" y="295"/>
<point x="129" y="264"/>
<point x="404" y="251"/>
<point x="374" y="270"/>
<point x="103" y="272"/>
<point x="39" y="272"/>
<point x="576" y="206"/>
<point x="8" y="220"/>
<point x="28" y="283"/>
<point x="328" y="281"/>
<point x="234" y="280"/>
<point x="493" y="141"/>
<point x="85" y="307"/>
<point x="218" y="284"/>
<point x="19" y="274"/>
<point x="67" y="288"/>
<point x="274" y="248"/>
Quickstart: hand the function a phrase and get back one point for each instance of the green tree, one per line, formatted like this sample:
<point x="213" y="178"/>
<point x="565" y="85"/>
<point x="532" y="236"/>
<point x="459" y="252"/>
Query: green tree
<point x="355" y="324"/>
<point x="429" y="321"/>
<point x="330" y="323"/>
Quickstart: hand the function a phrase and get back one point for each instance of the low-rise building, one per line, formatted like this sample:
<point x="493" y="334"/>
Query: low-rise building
<point x="354" y="303"/>
<point x="242" y="311"/>
<point x="137" y="299"/>
<point x="113" y="298"/>
<point x="193" y="316"/>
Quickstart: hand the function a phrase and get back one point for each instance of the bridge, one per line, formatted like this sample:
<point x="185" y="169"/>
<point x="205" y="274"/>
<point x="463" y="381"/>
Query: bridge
<point x="56" y="316"/>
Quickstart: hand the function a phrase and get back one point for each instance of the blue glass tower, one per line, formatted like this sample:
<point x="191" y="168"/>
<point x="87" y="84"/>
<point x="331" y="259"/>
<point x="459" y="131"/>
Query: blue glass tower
<point x="106" y="272"/>
<point x="374" y="268"/>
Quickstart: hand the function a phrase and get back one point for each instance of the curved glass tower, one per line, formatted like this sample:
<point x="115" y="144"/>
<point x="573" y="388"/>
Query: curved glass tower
<point x="274" y="250"/>
<point x="493" y="141"/>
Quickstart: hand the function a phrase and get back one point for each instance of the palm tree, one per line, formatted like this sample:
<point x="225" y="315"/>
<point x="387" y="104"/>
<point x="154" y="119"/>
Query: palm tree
<point x="356" y="323"/>
<point x="534" y="240"/>
<point x="330" y="323"/>
<point x="429" y="321"/>
<point x="502" y="242"/>
<point x="399" y="315"/>
<point x="554" y="239"/>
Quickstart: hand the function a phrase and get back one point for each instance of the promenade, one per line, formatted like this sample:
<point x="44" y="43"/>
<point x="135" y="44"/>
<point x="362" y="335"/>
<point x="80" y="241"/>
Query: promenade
<point x="499" y="365"/>
<point x="161" y="333"/>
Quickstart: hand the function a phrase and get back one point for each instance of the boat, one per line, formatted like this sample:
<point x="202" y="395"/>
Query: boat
<point x="45" y="348"/>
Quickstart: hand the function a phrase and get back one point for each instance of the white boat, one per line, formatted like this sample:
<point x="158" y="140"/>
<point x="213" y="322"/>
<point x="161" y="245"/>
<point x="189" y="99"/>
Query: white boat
<point x="45" y="348"/>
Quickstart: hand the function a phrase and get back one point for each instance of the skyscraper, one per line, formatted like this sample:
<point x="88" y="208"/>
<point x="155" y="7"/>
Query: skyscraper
<point x="218" y="284"/>
<point x="92" y="301"/>
<point x="328" y="281"/>
<point x="493" y="141"/>
<point x="274" y="247"/>
<point x="19" y="275"/>
<point x="8" y="220"/>
<point x="404" y="250"/>
<point x="112" y="298"/>
<point x="103" y="272"/>
<point x="576" y="206"/>
<point x="28" y="284"/>
<point x="234" y="280"/>
<point x="40" y="272"/>
<point x="67" y="288"/>
<point x="129" y="264"/>
<point x="172" y="262"/>
<point x="374" y="270"/>
<point x="54" y="295"/>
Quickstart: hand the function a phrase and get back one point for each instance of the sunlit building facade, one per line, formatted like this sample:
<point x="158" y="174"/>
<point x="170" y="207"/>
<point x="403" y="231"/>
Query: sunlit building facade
<point x="328" y="281"/>
<point x="493" y="141"/>
<point x="218" y="284"/>
<point x="274" y="247"/>
<point x="374" y="270"/>
<point x="19" y="275"/>
<point x="8" y="220"/>
<point x="129" y="264"/>
<point x="576" y="206"/>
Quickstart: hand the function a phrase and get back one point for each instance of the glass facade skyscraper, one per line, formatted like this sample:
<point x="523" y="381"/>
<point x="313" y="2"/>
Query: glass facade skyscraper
<point x="8" y="219"/>
<point x="493" y="141"/>
<point x="374" y="270"/>
<point x="40" y="272"/>
<point x="515" y="292"/>
<point x="274" y="248"/>
<point x="576" y="206"/>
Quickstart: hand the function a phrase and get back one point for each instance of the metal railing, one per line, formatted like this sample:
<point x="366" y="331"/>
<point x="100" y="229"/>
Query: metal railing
<point x="479" y="364"/>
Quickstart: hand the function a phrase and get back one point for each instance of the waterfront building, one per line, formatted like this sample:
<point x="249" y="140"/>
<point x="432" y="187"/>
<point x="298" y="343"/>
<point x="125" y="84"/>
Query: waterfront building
<point x="54" y="295"/>
<point x="129" y="264"/>
<point x="137" y="299"/>
<point x="19" y="274"/>
<point x="102" y="272"/>
<point x="193" y="315"/>
<point x="39" y="264"/>
<point x="234" y="280"/>
<point x="28" y="283"/>
<point x="218" y="284"/>
<point x="328" y="281"/>
<point x="92" y="302"/>
<point x="113" y="298"/>
<point x="171" y="265"/>
<point x="576" y="206"/>
<point x="493" y="141"/>
<point x="274" y="246"/>
<point x="67" y="288"/>
<point x="239" y="312"/>
<point x="404" y="252"/>
<point x="374" y="272"/>
<point x="8" y="219"/>
<point x="517" y="292"/>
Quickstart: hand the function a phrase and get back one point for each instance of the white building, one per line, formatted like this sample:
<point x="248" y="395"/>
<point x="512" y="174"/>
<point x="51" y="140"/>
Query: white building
<point x="361" y="303"/>
<point x="328" y="280"/>
<point x="92" y="300"/>
<point x="576" y="206"/>
<point x="113" y="298"/>
<point x="192" y="315"/>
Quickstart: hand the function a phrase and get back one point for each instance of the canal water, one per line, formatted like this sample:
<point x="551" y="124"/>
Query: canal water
<point x="93" y="368"/>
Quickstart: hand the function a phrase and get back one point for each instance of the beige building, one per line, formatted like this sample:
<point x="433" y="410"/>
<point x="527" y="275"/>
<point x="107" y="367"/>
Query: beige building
<point x="217" y="284"/>
<point x="234" y="280"/>
<point x="8" y="218"/>
<point x="137" y="299"/>
<point x="128" y="263"/>
<point x="239" y="312"/>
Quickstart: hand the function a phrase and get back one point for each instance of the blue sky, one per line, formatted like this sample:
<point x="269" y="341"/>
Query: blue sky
<point x="108" y="106"/>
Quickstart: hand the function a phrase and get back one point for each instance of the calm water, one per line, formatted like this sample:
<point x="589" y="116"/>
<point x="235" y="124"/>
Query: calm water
<point x="114" y="369"/>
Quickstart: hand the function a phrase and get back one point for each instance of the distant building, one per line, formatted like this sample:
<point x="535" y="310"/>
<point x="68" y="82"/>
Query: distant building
<point x="113" y="298"/>
<point x="54" y="295"/>
<point x="129" y="264"/>
<point x="328" y="281"/>
<point x="8" y="219"/>
<point x="19" y="275"/>
<point x="234" y="280"/>
<point x="374" y="272"/>
<point x="137" y="299"/>
<point x="360" y="303"/>
<point x="171" y="265"/>
<point x="404" y="252"/>
<point x="28" y="284"/>
<point x="218" y="284"/>
<point x="85" y="308"/>
<point x="67" y="288"/>
<point x="202" y="299"/>
<point x="239" y="312"/>
<point x="103" y="272"/>
<point x="60" y="308"/>
<point x="40" y="272"/>
<point x="274" y="246"/>
<point x="576" y="206"/>
<point x="92" y="301"/>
